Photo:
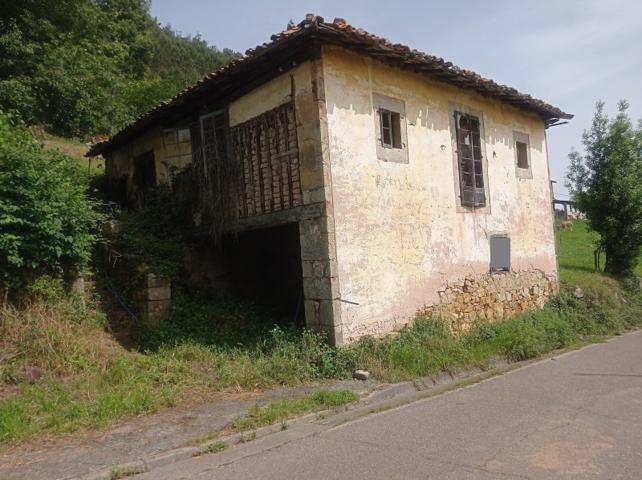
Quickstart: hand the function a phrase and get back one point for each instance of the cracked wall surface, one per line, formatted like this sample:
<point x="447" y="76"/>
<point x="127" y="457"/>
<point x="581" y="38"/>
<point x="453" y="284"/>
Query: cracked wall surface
<point x="400" y="235"/>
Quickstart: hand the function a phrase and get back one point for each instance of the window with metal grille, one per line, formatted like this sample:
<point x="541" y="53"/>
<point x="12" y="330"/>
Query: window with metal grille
<point x="390" y="123"/>
<point x="469" y="154"/>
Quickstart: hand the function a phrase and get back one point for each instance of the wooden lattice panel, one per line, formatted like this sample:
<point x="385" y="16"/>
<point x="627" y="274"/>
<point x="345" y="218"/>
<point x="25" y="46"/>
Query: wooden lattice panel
<point x="266" y="147"/>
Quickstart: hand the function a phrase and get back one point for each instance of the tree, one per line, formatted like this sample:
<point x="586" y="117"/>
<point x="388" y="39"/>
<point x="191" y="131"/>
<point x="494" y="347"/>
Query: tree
<point x="86" y="67"/>
<point x="606" y="184"/>
<point x="47" y="220"/>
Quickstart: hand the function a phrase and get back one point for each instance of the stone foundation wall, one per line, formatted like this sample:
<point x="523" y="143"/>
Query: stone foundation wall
<point x="154" y="298"/>
<point x="492" y="297"/>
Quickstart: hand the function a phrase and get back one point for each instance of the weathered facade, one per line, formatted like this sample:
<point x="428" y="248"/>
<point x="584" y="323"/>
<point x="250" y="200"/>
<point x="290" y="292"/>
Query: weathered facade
<point x="415" y="185"/>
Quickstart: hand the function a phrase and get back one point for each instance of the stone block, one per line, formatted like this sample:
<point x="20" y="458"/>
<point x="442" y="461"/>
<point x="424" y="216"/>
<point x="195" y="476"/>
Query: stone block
<point x="157" y="293"/>
<point x="329" y="312"/>
<point x="317" y="195"/>
<point x="307" y="268"/>
<point x="321" y="288"/>
<point x="361" y="375"/>
<point x="334" y="334"/>
<point x="153" y="310"/>
<point x="314" y="248"/>
<point x="311" y="313"/>
<point x="153" y="280"/>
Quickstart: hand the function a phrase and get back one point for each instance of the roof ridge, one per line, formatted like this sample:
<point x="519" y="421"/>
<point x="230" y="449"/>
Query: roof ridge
<point x="338" y="30"/>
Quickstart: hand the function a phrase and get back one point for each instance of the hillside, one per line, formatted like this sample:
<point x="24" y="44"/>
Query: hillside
<point x="575" y="249"/>
<point x="83" y="68"/>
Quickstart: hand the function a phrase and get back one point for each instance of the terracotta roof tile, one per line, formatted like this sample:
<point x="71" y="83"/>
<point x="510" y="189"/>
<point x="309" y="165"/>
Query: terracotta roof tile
<point x="341" y="33"/>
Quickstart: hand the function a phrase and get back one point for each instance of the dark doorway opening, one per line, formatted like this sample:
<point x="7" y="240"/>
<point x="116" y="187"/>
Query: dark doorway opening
<point x="265" y="266"/>
<point x="144" y="176"/>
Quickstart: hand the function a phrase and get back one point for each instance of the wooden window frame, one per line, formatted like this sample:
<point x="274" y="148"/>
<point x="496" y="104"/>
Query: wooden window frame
<point x="393" y="129"/>
<point x="520" y="171"/>
<point x="472" y="187"/>
<point x="464" y="208"/>
<point x="395" y="150"/>
<point x="203" y="145"/>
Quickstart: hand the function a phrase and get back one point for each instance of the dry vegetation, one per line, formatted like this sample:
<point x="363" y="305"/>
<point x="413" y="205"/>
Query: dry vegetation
<point x="62" y="371"/>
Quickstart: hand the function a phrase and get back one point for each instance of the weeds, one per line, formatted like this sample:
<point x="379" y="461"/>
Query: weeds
<point x="214" y="447"/>
<point x="282" y="410"/>
<point x="60" y="371"/>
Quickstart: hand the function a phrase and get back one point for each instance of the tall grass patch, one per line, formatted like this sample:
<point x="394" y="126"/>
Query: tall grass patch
<point x="62" y="372"/>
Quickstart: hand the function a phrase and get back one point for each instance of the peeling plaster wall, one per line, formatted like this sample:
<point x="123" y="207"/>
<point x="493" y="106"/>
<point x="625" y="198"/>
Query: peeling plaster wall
<point x="318" y="256"/>
<point x="399" y="233"/>
<point x="120" y="163"/>
<point x="303" y="84"/>
<point x="271" y="94"/>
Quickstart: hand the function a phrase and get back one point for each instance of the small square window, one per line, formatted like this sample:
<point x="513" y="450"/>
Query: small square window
<point x="390" y="128"/>
<point x="183" y="135"/>
<point x="522" y="154"/>
<point x="522" y="146"/>
<point x="389" y="115"/>
<point x="499" y="253"/>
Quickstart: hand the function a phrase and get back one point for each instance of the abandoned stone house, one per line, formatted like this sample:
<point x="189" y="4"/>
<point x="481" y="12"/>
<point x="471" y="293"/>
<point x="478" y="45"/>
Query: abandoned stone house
<point x="369" y="180"/>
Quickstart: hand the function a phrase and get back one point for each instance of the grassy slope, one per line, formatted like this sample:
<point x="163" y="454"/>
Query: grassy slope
<point x="575" y="249"/>
<point x="73" y="148"/>
<point x="62" y="371"/>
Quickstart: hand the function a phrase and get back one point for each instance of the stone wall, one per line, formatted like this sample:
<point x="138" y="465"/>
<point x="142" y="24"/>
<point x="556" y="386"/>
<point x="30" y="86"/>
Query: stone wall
<point x="154" y="297"/>
<point x="492" y="297"/>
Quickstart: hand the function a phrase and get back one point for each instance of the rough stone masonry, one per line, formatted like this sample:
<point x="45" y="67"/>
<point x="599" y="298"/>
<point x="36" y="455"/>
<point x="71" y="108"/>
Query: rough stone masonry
<point x="491" y="297"/>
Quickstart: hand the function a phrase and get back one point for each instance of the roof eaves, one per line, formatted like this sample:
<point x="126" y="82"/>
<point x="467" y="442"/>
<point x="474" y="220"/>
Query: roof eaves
<point x="339" y="31"/>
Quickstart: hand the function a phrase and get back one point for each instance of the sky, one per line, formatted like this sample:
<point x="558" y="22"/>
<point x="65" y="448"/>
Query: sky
<point x="568" y="53"/>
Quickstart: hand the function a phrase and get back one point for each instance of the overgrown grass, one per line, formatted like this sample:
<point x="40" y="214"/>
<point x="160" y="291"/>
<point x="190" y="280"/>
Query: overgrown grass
<point x="150" y="237"/>
<point x="60" y="371"/>
<point x="282" y="410"/>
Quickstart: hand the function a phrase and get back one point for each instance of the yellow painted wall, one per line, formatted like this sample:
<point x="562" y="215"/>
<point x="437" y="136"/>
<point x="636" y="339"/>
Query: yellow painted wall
<point x="399" y="234"/>
<point x="120" y="163"/>
<point x="265" y="97"/>
<point x="271" y="94"/>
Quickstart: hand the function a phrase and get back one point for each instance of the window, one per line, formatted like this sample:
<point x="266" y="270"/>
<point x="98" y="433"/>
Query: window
<point x="470" y="161"/>
<point x="390" y="128"/>
<point x="144" y="177"/>
<point x="522" y="155"/>
<point x="213" y="139"/>
<point x="499" y="253"/>
<point x="178" y="148"/>
<point x="390" y="122"/>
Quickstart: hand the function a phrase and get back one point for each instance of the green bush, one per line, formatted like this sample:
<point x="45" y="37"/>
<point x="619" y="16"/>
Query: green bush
<point x="151" y="237"/>
<point x="87" y="67"/>
<point x="47" y="221"/>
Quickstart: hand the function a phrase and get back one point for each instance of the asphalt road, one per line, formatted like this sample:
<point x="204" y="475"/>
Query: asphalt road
<point x="577" y="416"/>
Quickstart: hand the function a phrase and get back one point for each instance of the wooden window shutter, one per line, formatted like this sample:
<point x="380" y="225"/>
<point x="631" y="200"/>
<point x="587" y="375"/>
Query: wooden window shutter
<point x="470" y="161"/>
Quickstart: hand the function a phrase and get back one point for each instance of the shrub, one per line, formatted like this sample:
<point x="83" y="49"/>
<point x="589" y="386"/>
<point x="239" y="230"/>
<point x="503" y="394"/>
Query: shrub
<point x="47" y="220"/>
<point x="151" y="237"/>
